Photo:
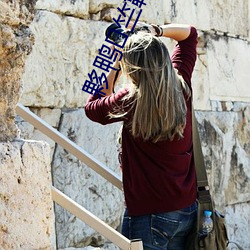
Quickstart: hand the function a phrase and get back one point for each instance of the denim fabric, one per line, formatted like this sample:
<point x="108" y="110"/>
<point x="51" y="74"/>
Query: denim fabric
<point x="161" y="231"/>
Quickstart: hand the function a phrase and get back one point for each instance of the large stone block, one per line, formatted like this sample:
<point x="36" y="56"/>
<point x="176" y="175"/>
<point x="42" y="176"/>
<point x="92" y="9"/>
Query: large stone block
<point x="77" y="8"/>
<point x="61" y="60"/>
<point x="207" y="15"/>
<point x="189" y="11"/>
<point x="16" y="42"/>
<point x="58" y="66"/>
<point x="26" y="206"/>
<point x="225" y="139"/>
<point x="230" y="16"/>
<point x="96" y="6"/>
<point x="228" y="72"/>
<point x="152" y="12"/>
<point x="82" y="184"/>
<point x="220" y="74"/>
<point x="156" y="16"/>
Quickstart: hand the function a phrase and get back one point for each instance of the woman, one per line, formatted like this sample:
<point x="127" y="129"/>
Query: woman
<point x="157" y="151"/>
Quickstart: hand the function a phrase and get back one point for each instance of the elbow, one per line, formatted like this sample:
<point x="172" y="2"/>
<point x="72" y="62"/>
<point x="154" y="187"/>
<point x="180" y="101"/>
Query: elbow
<point x="89" y="112"/>
<point x="93" y="116"/>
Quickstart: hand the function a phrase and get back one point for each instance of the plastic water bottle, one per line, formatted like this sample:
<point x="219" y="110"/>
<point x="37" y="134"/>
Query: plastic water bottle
<point x="207" y="223"/>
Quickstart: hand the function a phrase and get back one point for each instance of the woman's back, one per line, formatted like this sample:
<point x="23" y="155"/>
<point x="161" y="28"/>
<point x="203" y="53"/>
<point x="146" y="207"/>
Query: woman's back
<point x="158" y="167"/>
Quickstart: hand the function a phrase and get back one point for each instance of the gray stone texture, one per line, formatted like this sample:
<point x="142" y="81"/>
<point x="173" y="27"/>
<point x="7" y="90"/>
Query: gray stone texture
<point x="82" y="184"/>
<point x="226" y="144"/>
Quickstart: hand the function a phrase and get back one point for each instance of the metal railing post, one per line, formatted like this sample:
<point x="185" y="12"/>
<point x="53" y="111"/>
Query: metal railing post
<point x="136" y="245"/>
<point x="93" y="221"/>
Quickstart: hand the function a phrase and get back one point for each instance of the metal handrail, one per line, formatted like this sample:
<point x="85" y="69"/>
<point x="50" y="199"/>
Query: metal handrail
<point x="97" y="224"/>
<point x="70" y="146"/>
<point x="66" y="202"/>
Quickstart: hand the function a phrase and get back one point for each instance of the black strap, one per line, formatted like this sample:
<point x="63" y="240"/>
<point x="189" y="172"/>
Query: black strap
<point x="204" y="197"/>
<point x="201" y="174"/>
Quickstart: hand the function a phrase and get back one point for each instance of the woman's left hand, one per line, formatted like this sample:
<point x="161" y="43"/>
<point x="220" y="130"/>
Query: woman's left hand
<point x="144" y="26"/>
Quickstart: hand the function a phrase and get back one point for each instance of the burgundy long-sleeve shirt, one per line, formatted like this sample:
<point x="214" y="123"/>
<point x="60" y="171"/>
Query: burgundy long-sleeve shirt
<point x="157" y="177"/>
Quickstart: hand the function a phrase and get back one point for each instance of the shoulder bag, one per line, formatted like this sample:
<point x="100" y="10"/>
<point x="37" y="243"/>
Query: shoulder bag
<point x="217" y="239"/>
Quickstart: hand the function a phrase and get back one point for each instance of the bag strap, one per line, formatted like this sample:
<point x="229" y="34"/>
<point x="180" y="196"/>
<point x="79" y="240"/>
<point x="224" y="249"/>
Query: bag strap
<point x="204" y="196"/>
<point x="201" y="174"/>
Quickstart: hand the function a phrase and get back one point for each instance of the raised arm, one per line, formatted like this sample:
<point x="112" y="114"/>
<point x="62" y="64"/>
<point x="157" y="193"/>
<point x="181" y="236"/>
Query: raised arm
<point x="178" y="32"/>
<point x="184" y="54"/>
<point x="112" y="77"/>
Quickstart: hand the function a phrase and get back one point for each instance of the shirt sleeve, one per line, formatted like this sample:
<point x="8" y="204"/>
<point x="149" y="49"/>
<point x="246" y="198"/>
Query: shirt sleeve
<point x="99" y="110"/>
<point x="184" y="55"/>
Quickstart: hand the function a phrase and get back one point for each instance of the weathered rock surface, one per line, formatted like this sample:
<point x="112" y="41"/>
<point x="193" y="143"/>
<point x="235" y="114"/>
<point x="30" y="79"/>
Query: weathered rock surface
<point x="58" y="66"/>
<point x="15" y="43"/>
<point x="77" y="8"/>
<point x="237" y="218"/>
<point x="226" y="145"/>
<point x="220" y="65"/>
<point x="225" y="139"/>
<point x="210" y="15"/>
<point x="26" y="207"/>
<point x="59" y="84"/>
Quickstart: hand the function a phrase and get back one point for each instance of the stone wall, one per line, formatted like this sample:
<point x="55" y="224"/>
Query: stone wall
<point x="26" y="207"/>
<point x="67" y="36"/>
<point x="15" y="43"/>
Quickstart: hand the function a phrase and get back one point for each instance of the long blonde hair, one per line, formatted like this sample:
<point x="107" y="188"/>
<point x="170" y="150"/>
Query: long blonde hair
<point x="158" y="91"/>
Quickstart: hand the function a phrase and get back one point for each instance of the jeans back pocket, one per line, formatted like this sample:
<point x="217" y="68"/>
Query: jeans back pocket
<point x="163" y="229"/>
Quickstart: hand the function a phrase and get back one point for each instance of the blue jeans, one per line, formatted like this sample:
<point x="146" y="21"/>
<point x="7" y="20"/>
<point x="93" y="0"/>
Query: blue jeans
<point x="161" y="231"/>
